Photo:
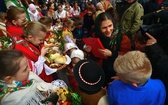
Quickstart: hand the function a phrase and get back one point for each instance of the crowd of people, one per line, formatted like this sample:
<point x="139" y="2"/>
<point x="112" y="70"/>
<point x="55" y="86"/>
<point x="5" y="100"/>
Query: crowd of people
<point x="49" y="60"/>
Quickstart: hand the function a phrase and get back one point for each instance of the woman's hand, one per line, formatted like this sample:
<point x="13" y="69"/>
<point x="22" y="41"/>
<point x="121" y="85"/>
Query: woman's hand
<point x="151" y="40"/>
<point x="105" y="52"/>
<point x="44" y="50"/>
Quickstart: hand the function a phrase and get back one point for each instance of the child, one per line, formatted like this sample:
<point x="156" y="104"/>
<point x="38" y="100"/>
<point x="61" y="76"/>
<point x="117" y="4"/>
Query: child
<point x="19" y="86"/>
<point x="44" y="9"/>
<point x="51" y="9"/>
<point x="69" y="47"/>
<point x="90" y="77"/>
<point x="69" y="11"/>
<point x="33" y="12"/>
<point x="76" y="9"/>
<point x="67" y="31"/>
<point x="78" y="31"/>
<point x="134" y="70"/>
<point x="47" y="22"/>
<point x="88" y="21"/>
<point x="34" y="34"/>
<point x="69" y="25"/>
<point x="15" y="19"/>
<point x="76" y="56"/>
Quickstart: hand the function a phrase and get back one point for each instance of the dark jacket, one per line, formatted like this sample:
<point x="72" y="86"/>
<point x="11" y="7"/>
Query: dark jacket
<point x="159" y="60"/>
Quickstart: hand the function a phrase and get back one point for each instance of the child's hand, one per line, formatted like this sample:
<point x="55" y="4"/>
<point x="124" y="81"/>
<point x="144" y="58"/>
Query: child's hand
<point x="151" y="40"/>
<point x="105" y="52"/>
<point x="44" y="50"/>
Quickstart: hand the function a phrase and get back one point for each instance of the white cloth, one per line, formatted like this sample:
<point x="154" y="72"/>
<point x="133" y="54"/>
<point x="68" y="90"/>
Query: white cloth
<point x="29" y="95"/>
<point x="60" y="15"/>
<point x="39" y="66"/>
<point x="34" y="16"/>
<point x="3" y="27"/>
<point x="103" y="100"/>
<point x="9" y="3"/>
<point x="77" y="11"/>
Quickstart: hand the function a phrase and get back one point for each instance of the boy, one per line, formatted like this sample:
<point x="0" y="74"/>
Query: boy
<point x="135" y="87"/>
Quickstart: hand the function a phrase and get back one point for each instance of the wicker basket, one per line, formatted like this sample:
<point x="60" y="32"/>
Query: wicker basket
<point x="5" y="35"/>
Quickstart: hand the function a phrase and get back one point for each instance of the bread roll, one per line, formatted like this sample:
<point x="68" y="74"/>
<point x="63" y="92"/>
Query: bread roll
<point x="49" y="45"/>
<point x="60" y="60"/>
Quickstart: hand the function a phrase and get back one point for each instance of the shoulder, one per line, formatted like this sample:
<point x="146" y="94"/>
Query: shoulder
<point x="138" y="5"/>
<point x="156" y="83"/>
<point x="115" y="84"/>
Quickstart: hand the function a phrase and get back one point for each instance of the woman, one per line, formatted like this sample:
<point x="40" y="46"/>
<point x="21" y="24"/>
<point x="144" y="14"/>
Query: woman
<point x="113" y="40"/>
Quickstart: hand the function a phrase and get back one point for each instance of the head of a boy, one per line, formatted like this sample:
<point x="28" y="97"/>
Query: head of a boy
<point x="78" y="21"/>
<point x="13" y="66"/>
<point x="35" y="32"/>
<point x="89" y="76"/>
<point x="47" y="22"/>
<point x="133" y="68"/>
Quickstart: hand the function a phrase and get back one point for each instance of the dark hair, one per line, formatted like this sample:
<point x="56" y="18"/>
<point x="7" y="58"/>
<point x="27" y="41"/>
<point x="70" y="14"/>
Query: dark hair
<point x="14" y="12"/>
<point x="90" y="8"/>
<point x="47" y="21"/>
<point x="104" y="16"/>
<point x="49" y="5"/>
<point x="10" y="60"/>
<point x="98" y="21"/>
<point x="78" y="20"/>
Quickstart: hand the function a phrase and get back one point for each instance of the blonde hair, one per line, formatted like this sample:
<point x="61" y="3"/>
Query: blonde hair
<point x="33" y="28"/>
<point x="135" y="66"/>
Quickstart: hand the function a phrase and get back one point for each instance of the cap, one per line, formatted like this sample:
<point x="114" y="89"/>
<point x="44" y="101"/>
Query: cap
<point x="77" y="53"/>
<point x="69" y="46"/>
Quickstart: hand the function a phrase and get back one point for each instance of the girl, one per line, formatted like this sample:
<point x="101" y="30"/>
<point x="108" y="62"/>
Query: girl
<point x="19" y="86"/>
<point x="76" y="56"/>
<point x="34" y="33"/>
<point x="16" y="17"/>
<point x="76" y="9"/>
<point x="113" y="40"/>
<point x="33" y="12"/>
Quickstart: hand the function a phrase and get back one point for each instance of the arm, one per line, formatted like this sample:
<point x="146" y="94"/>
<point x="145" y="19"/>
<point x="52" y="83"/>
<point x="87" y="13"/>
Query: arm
<point x="158" y="57"/>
